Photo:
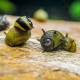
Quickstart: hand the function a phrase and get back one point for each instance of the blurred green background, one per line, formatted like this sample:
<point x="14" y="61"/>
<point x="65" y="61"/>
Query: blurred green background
<point x="57" y="9"/>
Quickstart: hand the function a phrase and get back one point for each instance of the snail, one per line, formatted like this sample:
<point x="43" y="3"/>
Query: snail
<point x="51" y="40"/>
<point x="3" y="23"/>
<point x="41" y="15"/>
<point x="69" y="44"/>
<point x="20" y="32"/>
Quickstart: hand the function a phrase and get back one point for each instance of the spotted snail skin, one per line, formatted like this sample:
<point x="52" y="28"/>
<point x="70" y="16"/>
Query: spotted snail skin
<point x="20" y="32"/>
<point x="69" y="44"/>
<point x="51" y="40"/>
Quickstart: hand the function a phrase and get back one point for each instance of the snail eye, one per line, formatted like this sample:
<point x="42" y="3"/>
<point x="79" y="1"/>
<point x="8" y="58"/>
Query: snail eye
<point x="47" y="42"/>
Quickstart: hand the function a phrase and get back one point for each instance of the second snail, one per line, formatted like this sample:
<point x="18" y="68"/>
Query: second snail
<point x="54" y="40"/>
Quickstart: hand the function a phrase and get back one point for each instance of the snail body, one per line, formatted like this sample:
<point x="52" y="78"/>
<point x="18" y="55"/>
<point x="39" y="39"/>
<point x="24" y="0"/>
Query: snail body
<point x="69" y="44"/>
<point x="3" y="23"/>
<point x="20" y="32"/>
<point x="51" y="40"/>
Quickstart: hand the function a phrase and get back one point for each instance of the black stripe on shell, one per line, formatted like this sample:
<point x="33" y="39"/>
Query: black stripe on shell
<point x="22" y="24"/>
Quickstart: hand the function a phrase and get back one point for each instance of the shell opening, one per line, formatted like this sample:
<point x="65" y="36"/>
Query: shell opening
<point x="47" y="42"/>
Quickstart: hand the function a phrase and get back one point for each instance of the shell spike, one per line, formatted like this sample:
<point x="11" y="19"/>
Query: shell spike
<point x="38" y="39"/>
<point x="66" y="35"/>
<point x="43" y="31"/>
